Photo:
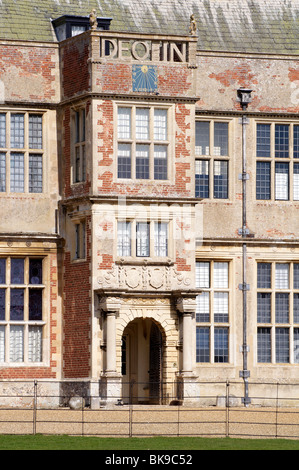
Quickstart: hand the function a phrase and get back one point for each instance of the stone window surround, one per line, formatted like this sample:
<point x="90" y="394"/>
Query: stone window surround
<point x="170" y="108"/>
<point x="78" y="145"/>
<point x="211" y="156"/>
<point x="133" y="257"/>
<point x="291" y="325"/>
<point x="211" y="324"/>
<point x="44" y="324"/>
<point x="26" y="149"/>
<point x="272" y="160"/>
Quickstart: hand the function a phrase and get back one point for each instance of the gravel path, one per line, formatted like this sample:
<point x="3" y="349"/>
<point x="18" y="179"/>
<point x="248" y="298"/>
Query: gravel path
<point x="148" y="421"/>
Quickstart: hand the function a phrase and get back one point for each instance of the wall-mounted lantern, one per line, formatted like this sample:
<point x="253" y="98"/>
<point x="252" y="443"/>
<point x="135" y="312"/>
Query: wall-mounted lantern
<point x="244" y="97"/>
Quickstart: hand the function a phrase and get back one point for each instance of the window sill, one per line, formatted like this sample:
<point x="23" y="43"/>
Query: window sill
<point x="78" y="260"/>
<point x="78" y="183"/>
<point x="9" y="365"/>
<point x="141" y="181"/>
<point x="144" y="261"/>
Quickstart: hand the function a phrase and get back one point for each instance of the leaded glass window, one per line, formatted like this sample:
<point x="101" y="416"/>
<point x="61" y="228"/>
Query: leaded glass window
<point x="202" y="180"/>
<point x="2" y="172"/>
<point x="21" y="310"/>
<point x="79" y="152"/>
<point x="142" y="124"/>
<point x="161" y="238"/>
<point x="124" y="238"/>
<point x="212" y="173"/>
<point x="160" y="124"/>
<point x="124" y="161"/>
<point x="142" y="239"/>
<point x="35" y="173"/>
<point x="160" y="162"/>
<point x="142" y="161"/>
<point x="143" y="145"/>
<point x="296" y="181"/>
<point x="220" y="179"/>
<point x="263" y="140"/>
<point x="281" y="141"/>
<point x="17" y="271"/>
<point x="203" y="344"/>
<point x="2" y="130"/>
<point x="278" y="312"/>
<point x="17" y="131"/>
<point x="21" y="153"/>
<point x="263" y="180"/>
<point x="264" y="344"/>
<point x="80" y="240"/>
<point x="212" y="311"/>
<point x="17" y="173"/>
<point x="277" y="176"/>
<point x="35" y="131"/>
<point x="282" y="181"/>
<point x="296" y="141"/>
<point x="221" y="138"/>
<point x="221" y="344"/>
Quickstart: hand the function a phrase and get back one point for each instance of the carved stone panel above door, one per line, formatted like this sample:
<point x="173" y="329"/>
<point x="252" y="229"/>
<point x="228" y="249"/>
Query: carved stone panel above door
<point x="145" y="277"/>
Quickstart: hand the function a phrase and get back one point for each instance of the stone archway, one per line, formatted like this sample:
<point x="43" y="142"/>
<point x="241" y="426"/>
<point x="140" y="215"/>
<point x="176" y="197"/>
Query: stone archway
<point x="142" y="362"/>
<point x="126" y="319"/>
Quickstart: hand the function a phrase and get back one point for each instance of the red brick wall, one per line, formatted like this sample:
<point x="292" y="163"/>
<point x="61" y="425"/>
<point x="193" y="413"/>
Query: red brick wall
<point x="75" y="67"/>
<point x="77" y="313"/>
<point x="173" y="79"/>
<point x="33" y="71"/>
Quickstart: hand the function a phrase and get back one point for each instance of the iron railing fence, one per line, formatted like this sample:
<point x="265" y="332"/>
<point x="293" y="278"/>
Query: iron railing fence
<point x="32" y="407"/>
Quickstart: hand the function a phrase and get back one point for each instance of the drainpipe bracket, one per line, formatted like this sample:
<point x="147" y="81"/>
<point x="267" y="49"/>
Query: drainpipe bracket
<point x="246" y="400"/>
<point x="244" y="287"/>
<point x="243" y="176"/>
<point x="243" y="232"/>
<point x="244" y="120"/>
<point x="245" y="374"/>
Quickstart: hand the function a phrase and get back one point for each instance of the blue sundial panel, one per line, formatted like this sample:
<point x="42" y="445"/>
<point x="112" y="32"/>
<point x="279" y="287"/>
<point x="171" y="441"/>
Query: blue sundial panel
<point x="144" y="78"/>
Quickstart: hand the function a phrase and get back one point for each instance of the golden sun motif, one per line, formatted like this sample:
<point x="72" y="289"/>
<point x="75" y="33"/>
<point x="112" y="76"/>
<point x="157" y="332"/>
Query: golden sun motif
<point x="144" y="78"/>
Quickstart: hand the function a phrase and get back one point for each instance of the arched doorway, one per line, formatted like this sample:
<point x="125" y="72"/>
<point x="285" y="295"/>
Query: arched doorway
<point x="142" y="362"/>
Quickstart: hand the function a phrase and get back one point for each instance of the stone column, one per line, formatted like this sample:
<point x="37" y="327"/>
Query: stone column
<point x="186" y="305"/>
<point x="111" y="380"/>
<point x="187" y="343"/>
<point x="111" y="343"/>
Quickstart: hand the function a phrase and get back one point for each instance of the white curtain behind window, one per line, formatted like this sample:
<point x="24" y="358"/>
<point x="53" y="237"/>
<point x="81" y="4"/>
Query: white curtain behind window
<point x="2" y="343"/>
<point x="16" y="339"/>
<point x="161" y="238"/>
<point x="142" y="239"/>
<point x="35" y="344"/>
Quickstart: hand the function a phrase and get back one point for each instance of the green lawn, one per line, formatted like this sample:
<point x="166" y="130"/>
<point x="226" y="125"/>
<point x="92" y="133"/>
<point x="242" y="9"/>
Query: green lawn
<point x="39" y="442"/>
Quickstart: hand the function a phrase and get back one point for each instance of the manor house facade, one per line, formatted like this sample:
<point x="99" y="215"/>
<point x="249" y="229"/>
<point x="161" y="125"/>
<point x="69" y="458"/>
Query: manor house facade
<point x="149" y="191"/>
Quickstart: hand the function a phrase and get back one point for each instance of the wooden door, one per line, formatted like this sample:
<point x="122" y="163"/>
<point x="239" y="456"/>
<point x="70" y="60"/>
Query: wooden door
<point x="155" y="365"/>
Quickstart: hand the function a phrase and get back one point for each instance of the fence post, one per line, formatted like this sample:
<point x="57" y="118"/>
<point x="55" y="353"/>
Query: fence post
<point x="227" y="409"/>
<point x="34" y="406"/>
<point x="130" y="419"/>
<point x="276" y="412"/>
<point x="82" y="416"/>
